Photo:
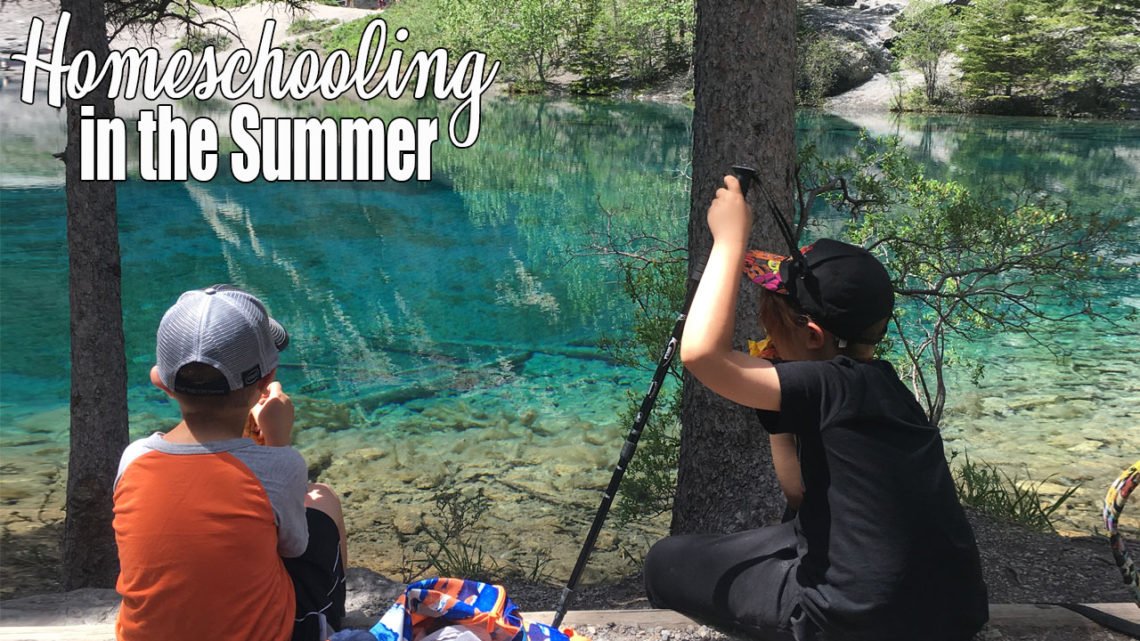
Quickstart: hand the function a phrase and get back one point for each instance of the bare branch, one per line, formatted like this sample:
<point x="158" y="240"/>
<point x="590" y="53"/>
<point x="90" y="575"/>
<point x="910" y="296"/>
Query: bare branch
<point x="606" y="243"/>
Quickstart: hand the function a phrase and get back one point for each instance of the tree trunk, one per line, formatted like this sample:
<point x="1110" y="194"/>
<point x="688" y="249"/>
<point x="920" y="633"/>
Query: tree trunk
<point x="745" y="114"/>
<point x="98" y="360"/>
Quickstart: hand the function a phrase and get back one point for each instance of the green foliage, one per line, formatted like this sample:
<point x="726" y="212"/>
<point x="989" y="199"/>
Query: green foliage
<point x="594" y="51"/>
<point x="1004" y="50"/>
<point x="454" y="549"/>
<point x="528" y="35"/>
<point x="604" y="44"/>
<point x="229" y="4"/>
<point x="651" y="478"/>
<point x="990" y="490"/>
<point x="620" y="43"/>
<point x="818" y="61"/>
<point x="197" y="40"/>
<point x="422" y="18"/>
<point x="964" y="263"/>
<point x="926" y="35"/>
<point x="654" y="278"/>
<point x="308" y="25"/>
<point x="655" y="37"/>
<point x="1034" y="54"/>
<point x="345" y="35"/>
<point x="1100" y="46"/>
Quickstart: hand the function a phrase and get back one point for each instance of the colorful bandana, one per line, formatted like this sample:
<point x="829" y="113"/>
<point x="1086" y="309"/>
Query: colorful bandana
<point x="764" y="270"/>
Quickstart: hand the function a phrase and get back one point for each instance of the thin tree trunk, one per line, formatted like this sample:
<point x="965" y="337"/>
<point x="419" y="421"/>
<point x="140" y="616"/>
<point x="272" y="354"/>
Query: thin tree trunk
<point x="98" y="361"/>
<point x="745" y="102"/>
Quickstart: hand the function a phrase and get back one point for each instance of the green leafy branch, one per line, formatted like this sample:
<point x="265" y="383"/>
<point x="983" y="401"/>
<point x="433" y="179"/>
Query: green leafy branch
<point x="965" y="264"/>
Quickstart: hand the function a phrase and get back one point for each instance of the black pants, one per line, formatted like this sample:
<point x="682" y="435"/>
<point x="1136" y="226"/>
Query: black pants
<point x="743" y="582"/>
<point x="318" y="578"/>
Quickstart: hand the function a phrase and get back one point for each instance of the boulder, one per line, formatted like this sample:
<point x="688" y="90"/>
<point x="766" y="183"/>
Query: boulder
<point x="864" y="32"/>
<point x="860" y="64"/>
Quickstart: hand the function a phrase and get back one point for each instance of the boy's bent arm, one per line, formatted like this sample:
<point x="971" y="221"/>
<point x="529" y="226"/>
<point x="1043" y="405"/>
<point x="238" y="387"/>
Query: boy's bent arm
<point x="787" y="465"/>
<point x="706" y="345"/>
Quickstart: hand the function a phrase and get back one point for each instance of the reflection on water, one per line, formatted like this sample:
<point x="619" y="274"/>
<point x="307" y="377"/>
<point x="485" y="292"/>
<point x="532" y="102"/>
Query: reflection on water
<point x="447" y="332"/>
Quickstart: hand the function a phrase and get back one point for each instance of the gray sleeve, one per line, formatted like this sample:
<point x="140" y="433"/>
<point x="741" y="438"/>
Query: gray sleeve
<point x="284" y="476"/>
<point x="133" y="451"/>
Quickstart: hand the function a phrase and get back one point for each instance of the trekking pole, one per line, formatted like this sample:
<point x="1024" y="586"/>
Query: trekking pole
<point x="745" y="175"/>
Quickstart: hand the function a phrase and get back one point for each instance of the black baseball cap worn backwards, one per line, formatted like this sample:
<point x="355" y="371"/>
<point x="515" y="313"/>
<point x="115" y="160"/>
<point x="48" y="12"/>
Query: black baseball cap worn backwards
<point x="841" y="286"/>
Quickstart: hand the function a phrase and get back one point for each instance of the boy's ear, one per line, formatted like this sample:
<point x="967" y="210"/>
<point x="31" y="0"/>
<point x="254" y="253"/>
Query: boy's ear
<point x="263" y="384"/>
<point x="817" y="337"/>
<point x="157" y="381"/>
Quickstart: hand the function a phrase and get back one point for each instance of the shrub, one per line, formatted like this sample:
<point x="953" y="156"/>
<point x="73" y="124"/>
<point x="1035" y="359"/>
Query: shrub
<point x="990" y="490"/>
<point x="818" y="63"/>
<point x="309" y="25"/>
<point x="197" y="40"/>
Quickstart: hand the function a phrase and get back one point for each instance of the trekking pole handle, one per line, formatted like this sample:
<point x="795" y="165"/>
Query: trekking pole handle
<point x="745" y="175"/>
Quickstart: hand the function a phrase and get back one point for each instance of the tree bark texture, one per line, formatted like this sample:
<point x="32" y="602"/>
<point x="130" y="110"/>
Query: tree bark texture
<point x="98" y="360"/>
<point x="745" y="114"/>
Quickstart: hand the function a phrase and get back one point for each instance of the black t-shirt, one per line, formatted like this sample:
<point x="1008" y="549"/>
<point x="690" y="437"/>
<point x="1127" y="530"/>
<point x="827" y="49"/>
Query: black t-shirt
<point x="885" y="549"/>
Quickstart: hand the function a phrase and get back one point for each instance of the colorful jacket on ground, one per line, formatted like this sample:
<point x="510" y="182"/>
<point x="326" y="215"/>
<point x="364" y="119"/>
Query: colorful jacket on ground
<point x="433" y="603"/>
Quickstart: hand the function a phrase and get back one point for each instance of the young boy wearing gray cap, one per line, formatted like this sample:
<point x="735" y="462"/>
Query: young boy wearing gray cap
<point x="220" y="537"/>
<point x="880" y="548"/>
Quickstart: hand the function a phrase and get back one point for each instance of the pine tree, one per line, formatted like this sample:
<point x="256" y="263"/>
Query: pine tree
<point x="1004" y="46"/>
<point x="1101" y="46"/>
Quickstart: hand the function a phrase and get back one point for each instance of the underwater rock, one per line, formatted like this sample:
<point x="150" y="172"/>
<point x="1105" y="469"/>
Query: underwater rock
<point x="432" y="480"/>
<point x="12" y="491"/>
<point x="994" y="405"/>
<point x="1065" y="440"/>
<point x="407" y="522"/>
<point x="1086" y="447"/>
<point x="1044" y="488"/>
<point x="1032" y="402"/>
<point x="369" y="454"/>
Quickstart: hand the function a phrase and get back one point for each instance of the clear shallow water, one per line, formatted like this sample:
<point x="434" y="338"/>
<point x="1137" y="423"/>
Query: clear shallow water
<point x="448" y="331"/>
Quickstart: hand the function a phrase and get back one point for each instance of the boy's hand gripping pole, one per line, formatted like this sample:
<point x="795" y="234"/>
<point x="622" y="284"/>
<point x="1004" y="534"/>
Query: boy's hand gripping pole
<point x="745" y="175"/>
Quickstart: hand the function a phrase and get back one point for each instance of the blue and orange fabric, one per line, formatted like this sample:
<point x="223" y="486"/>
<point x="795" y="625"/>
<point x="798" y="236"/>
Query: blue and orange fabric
<point x="428" y="604"/>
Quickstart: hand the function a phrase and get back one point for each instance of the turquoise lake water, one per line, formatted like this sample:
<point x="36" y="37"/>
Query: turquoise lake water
<point x="451" y="328"/>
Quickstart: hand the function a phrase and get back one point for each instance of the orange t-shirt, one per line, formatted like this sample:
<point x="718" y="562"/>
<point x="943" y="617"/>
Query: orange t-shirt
<point x="198" y="550"/>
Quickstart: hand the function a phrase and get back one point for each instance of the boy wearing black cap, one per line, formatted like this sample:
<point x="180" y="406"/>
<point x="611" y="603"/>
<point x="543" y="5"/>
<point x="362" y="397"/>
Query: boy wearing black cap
<point x="219" y="537"/>
<point x="880" y="548"/>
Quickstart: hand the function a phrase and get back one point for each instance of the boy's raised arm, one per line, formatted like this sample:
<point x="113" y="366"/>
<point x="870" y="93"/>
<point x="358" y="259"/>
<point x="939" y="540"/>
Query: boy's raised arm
<point x="706" y="345"/>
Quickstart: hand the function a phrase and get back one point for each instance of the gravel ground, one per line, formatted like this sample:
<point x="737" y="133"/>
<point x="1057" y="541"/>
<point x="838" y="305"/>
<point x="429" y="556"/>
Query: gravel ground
<point x="1020" y="565"/>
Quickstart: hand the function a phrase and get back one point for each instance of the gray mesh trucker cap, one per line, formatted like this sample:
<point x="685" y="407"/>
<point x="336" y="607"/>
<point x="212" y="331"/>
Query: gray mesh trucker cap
<point x="223" y="327"/>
